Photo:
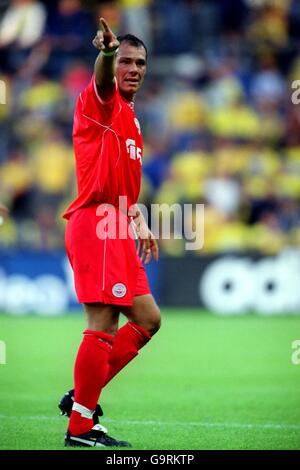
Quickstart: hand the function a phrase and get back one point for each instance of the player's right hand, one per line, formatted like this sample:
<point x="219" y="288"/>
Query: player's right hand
<point x="105" y="39"/>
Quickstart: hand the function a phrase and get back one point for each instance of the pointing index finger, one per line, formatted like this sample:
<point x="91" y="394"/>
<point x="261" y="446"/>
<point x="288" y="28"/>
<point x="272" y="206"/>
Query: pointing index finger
<point x="105" y="27"/>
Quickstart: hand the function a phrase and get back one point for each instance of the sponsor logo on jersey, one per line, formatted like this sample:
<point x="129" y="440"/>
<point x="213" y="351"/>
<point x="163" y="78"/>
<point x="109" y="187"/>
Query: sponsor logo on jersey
<point x="135" y="152"/>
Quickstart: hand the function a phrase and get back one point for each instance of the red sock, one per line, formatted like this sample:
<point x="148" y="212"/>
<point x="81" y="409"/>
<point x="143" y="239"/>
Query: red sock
<point x="129" y="339"/>
<point x="91" y="368"/>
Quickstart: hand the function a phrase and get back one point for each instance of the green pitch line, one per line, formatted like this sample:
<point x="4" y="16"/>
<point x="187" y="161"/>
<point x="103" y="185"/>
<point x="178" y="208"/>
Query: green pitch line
<point x="204" y="382"/>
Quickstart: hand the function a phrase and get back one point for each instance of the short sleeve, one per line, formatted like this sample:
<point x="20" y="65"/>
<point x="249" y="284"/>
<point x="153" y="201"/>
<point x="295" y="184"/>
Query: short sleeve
<point x="91" y="104"/>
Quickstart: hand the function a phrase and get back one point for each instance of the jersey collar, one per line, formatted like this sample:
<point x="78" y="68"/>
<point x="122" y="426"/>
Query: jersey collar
<point x="129" y="103"/>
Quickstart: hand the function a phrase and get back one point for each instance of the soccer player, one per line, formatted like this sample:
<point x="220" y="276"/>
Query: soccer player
<point x="108" y="269"/>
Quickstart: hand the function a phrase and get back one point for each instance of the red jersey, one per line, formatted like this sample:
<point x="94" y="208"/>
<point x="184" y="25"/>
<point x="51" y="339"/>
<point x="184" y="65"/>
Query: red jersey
<point x="108" y="149"/>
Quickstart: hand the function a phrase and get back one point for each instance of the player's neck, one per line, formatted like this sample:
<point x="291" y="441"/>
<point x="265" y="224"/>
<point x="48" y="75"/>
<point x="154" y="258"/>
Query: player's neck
<point x="129" y="98"/>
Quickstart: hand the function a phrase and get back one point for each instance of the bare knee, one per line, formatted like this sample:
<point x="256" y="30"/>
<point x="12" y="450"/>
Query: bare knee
<point x="144" y="313"/>
<point x="102" y="318"/>
<point x="150" y="320"/>
<point x="155" y="322"/>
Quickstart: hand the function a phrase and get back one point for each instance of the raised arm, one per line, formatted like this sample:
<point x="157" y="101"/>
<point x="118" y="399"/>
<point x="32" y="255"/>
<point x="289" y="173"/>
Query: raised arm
<point x="106" y="42"/>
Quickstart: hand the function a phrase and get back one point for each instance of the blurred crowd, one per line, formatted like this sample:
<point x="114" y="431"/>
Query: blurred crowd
<point x="219" y="112"/>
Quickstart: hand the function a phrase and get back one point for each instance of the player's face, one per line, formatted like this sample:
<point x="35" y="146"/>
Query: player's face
<point x="130" y="69"/>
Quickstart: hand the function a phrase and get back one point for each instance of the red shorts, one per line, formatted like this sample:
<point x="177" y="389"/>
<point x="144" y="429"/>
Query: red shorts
<point x="106" y="270"/>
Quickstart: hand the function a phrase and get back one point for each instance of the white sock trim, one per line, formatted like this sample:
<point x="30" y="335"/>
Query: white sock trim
<point x="85" y="412"/>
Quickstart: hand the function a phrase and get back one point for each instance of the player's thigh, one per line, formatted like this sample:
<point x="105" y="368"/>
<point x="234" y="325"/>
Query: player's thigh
<point x="101" y="317"/>
<point x="144" y="312"/>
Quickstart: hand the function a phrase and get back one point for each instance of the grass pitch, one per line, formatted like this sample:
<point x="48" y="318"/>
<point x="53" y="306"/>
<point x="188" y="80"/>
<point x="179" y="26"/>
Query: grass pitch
<point x="204" y="382"/>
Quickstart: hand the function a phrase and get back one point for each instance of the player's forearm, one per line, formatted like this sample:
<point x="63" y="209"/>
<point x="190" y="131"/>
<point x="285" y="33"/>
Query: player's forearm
<point x="106" y="42"/>
<point x="105" y="71"/>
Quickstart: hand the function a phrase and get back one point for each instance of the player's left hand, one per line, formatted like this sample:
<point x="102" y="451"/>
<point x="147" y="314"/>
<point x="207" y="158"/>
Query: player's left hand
<point x="147" y="244"/>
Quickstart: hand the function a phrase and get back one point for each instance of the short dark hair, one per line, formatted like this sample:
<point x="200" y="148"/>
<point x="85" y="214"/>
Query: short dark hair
<point x="133" y="41"/>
